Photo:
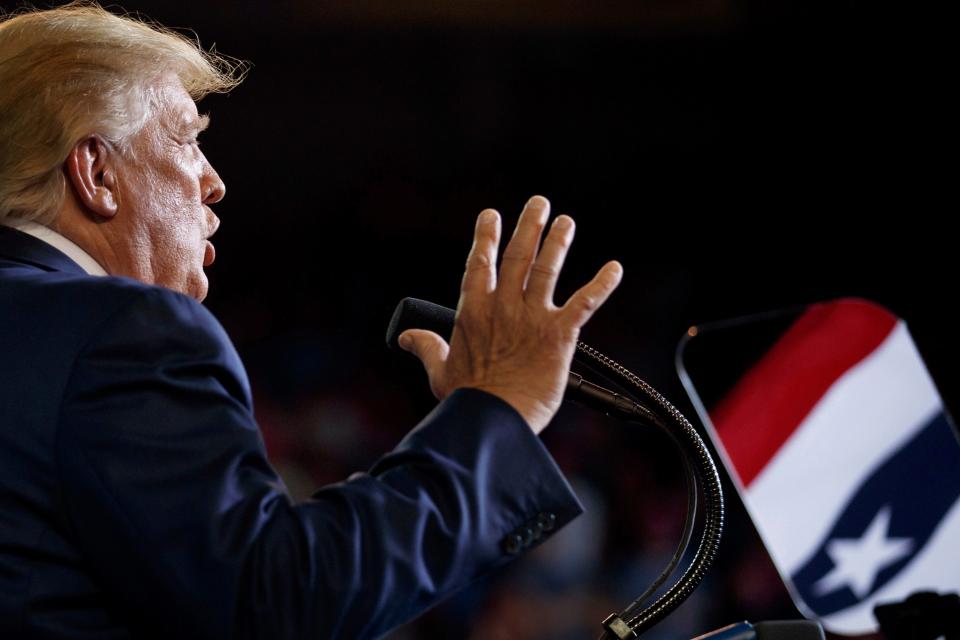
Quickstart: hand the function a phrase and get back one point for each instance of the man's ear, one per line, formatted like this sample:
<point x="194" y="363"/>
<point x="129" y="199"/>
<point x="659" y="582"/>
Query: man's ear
<point x="90" y="167"/>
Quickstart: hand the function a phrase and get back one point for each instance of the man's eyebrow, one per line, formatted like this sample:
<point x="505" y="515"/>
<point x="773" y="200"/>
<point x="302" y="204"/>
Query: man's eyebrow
<point x="190" y="126"/>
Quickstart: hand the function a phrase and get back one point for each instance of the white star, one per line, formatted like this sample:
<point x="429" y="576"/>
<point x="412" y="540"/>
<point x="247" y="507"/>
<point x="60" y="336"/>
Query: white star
<point x="858" y="561"/>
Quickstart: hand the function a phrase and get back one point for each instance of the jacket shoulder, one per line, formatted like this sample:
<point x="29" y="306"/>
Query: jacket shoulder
<point x="81" y="304"/>
<point x="153" y="324"/>
<point x="55" y="318"/>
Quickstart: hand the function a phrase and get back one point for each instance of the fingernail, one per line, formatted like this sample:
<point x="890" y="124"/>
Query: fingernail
<point x="563" y="222"/>
<point x="542" y="207"/>
<point x="488" y="217"/>
<point x="405" y="341"/>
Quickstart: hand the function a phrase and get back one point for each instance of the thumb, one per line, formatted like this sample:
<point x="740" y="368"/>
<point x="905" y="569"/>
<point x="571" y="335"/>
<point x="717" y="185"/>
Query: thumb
<point x="429" y="347"/>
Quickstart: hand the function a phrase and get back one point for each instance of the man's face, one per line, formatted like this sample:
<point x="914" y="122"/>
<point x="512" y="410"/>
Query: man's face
<point x="163" y="186"/>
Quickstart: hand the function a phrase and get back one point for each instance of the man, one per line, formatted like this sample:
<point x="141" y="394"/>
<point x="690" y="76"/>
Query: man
<point x="135" y="495"/>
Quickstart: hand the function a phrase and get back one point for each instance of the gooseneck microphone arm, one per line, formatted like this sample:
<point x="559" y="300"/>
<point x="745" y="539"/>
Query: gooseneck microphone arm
<point x="651" y="409"/>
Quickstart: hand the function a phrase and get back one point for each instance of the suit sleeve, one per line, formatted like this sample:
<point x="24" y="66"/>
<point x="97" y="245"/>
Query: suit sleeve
<point x="190" y="532"/>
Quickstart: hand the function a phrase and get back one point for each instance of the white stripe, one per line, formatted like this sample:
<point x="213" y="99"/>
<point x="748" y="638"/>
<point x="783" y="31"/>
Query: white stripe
<point x="936" y="568"/>
<point x="865" y="416"/>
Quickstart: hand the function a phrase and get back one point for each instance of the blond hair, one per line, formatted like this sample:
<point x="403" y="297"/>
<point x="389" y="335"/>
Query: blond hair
<point x="77" y="70"/>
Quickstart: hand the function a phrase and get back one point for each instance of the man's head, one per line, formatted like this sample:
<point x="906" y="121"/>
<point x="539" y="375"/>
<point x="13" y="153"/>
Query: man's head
<point x="98" y="139"/>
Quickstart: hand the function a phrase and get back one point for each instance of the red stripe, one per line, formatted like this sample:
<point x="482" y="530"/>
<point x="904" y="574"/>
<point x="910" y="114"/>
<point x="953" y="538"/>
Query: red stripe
<point x="768" y="404"/>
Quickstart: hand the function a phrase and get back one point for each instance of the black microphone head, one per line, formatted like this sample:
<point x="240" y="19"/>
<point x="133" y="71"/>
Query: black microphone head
<point x="789" y="630"/>
<point x="412" y="313"/>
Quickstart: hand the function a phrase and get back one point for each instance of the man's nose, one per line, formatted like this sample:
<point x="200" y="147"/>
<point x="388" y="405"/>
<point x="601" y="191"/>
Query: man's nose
<point x="212" y="185"/>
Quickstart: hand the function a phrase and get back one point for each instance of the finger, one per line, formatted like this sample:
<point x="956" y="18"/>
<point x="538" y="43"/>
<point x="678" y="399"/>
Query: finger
<point x="522" y="248"/>
<point x="582" y="304"/>
<point x="480" y="275"/>
<point x="429" y="347"/>
<point x="546" y="268"/>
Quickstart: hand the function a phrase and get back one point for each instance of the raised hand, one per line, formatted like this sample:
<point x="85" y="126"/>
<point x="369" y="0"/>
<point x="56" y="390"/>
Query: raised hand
<point x="509" y="338"/>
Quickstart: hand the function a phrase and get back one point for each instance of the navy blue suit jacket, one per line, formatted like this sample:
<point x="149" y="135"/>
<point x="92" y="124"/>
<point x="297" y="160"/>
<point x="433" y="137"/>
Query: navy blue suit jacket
<point x="136" y="499"/>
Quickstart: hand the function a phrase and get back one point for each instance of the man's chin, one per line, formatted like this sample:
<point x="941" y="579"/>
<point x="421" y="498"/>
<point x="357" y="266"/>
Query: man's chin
<point x="195" y="286"/>
<point x="200" y="291"/>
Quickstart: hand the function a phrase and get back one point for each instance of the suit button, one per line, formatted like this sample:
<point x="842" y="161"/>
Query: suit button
<point x="512" y="544"/>
<point x="547" y="521"/>
<point x="537" y="530"/>
<point x="528" y="536"/>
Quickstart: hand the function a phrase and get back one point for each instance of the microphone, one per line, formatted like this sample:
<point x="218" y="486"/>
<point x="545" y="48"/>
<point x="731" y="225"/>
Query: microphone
<point x="413" y="313"/>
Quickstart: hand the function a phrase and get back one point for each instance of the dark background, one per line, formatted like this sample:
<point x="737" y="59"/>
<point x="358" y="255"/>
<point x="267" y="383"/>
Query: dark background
<point x="735" y="155"/>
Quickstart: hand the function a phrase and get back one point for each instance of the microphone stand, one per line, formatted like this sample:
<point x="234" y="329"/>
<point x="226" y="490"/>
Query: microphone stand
<point x="702" y="476"/>
<point x="771" y="630"/>
<point x="648" y="408"/>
